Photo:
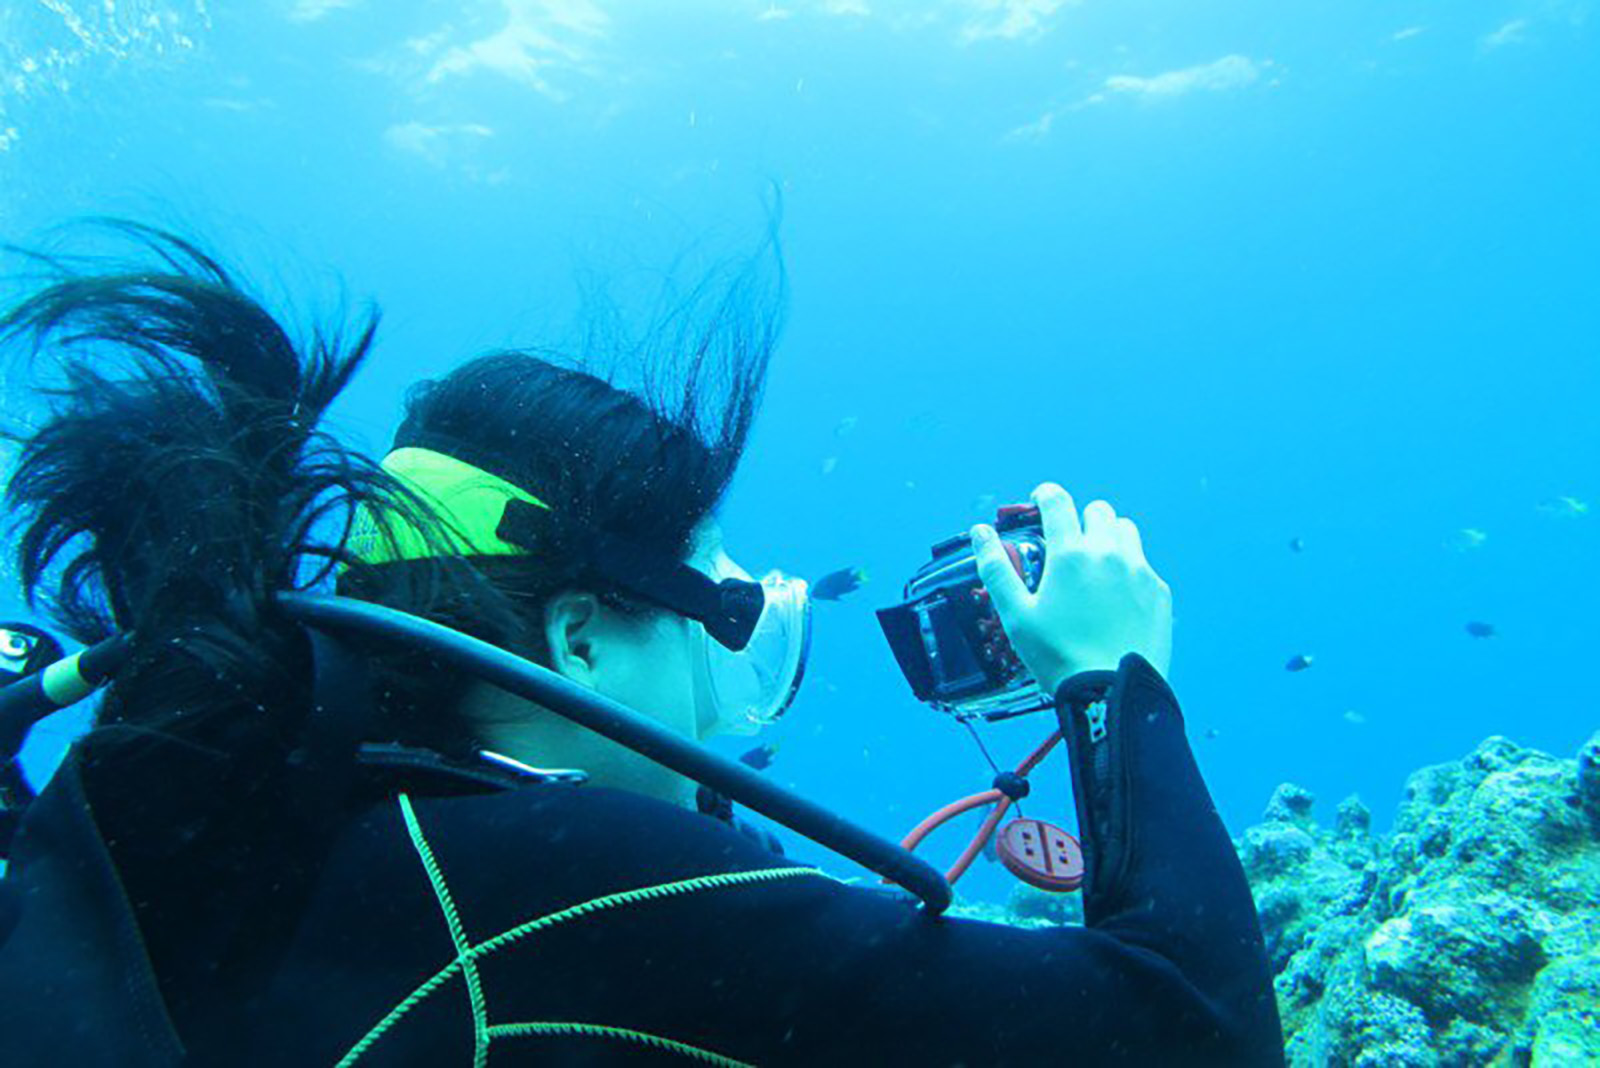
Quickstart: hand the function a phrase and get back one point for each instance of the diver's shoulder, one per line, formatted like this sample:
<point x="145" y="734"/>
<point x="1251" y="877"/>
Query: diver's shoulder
<point x="545" y="829"/>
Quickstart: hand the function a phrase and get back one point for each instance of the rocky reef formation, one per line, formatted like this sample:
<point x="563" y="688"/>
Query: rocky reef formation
<point x="1470" y="935"/>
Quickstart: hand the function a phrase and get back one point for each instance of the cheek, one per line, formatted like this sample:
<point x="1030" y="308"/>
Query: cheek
<point x="660" y="681"/>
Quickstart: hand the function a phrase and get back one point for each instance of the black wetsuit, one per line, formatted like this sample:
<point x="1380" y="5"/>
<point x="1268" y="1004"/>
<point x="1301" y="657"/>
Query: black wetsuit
<point x="227" y="954"/>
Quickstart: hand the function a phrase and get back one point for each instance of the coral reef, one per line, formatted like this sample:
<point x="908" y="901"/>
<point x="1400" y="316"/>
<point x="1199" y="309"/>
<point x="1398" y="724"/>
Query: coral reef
<point x="1469" y="935"/>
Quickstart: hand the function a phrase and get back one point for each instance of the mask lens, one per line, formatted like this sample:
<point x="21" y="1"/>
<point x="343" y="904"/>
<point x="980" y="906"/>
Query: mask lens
<point x="750" y="689"/>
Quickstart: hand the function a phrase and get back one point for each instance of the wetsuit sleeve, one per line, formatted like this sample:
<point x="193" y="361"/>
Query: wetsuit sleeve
<point x="1162" y="880"/>
<point x="1169" y="968"/>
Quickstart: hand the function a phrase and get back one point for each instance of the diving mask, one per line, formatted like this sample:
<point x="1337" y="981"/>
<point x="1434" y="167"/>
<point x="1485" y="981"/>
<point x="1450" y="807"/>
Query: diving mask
<point x="741" y="691"/>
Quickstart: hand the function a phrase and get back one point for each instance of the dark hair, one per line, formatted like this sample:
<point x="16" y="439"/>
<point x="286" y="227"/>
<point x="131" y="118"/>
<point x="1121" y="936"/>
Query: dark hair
<point x="179" y="480"/>
<point x="646" y="466"/>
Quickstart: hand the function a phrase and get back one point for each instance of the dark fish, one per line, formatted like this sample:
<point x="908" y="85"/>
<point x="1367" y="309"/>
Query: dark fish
<point x="1297" y="545"/>
<point x="1481" y="630"/>
<point x="1298" y="663"/>
<point x="760" y="758"/>
<point x="836" y="584"/>
<point x="1212" y="732"/>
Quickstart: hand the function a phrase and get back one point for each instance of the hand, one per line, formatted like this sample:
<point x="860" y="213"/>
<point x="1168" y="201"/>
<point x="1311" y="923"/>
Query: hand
<point x="1098" y="598"/>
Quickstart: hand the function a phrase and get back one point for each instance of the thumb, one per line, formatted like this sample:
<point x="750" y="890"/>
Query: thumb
<point x="1006" y="589"/>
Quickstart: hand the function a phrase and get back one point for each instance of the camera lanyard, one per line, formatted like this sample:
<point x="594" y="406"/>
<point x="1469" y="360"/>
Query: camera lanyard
<point x="1040" y="854"/>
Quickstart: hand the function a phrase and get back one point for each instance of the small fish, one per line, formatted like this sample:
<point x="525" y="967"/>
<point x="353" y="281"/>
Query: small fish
<point x="1565" y="508"/>
<point x="1297" y="545"/>
<point x="1212" y="732"/>
<point x="836" y="584"/>
<point x="829" y="464"/>
<point x="1480" y="630"/>
<point x="846" y="426"/>
<point x="1352" y="716"/>
<point x="1467" y="539"/>
<point x="760" y="758"/>
<point x="1298" y="663"/>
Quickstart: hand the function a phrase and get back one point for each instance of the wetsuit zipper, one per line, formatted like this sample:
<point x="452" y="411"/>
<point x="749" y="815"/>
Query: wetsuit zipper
<point x="1102" y="787"/>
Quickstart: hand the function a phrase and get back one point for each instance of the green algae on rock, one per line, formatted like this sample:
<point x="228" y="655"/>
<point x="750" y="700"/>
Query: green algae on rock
<point x="1470" y="935"/>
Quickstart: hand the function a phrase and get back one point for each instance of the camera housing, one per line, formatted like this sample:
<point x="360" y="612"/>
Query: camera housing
<point x="946" y="636"/>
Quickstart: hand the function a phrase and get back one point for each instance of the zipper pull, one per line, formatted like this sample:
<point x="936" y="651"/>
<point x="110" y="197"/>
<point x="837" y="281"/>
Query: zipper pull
<point x="1096" y="715"/>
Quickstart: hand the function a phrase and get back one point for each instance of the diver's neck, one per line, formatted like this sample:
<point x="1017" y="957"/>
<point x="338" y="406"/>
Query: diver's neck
<point x="533" y="735"/>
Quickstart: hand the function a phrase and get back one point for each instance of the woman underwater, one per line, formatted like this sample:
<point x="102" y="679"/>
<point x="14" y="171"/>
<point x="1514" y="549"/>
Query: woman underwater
<point x="186" y="891"/>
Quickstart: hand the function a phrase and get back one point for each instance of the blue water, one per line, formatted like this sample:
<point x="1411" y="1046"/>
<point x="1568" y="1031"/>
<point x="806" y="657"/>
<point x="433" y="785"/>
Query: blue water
<point x="1251" y="271"/>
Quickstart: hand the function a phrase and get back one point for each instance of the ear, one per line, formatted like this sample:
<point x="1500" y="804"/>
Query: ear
<point x="572" y="623"/>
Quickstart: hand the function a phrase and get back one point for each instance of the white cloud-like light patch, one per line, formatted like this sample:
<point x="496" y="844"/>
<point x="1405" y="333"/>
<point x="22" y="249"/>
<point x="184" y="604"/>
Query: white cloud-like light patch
<point x="1511" y="33"/>
<point x="312" y="10"/>
<point x="538" y="35"/>
<point x="435" y="144"/>
<point x="773" y="12"/>
<point x="852" y="8"/>
<point x="1229" y="72"/>
<point x="1036" y="130"/>
<point x="1010" y="19"/>
<point x="58" y="47"/>
<point x="1408" y="33"/>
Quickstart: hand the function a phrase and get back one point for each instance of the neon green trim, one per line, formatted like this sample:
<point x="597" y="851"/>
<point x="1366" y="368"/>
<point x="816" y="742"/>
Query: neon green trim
<point x="468" y="501"/>
<point x="599" y="1031"/>
<point x="458" y="934"/>
<point x="467" y="958"/>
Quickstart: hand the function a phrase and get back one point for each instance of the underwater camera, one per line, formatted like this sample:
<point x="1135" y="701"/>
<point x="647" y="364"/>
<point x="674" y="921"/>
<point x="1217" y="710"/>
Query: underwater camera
<point x="949" y="641"/>
<point x="954" y="652"/>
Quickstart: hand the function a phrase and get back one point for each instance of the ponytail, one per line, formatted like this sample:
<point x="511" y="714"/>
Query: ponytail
<point x="179" y="479"/>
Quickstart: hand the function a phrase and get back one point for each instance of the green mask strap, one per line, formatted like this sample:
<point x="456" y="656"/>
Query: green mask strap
<point x="468" y="501"/>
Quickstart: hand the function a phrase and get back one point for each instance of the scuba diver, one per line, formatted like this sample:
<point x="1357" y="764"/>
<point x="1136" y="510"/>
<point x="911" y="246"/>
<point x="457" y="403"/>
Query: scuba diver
<point x="447" y="813"/>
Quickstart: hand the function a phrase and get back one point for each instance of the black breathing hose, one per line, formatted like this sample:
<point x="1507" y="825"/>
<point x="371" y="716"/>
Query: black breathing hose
<point x="24" y="703"/>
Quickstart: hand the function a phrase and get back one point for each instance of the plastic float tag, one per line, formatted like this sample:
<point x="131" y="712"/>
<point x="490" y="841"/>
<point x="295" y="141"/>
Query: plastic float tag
<point x="1042" y="855"/>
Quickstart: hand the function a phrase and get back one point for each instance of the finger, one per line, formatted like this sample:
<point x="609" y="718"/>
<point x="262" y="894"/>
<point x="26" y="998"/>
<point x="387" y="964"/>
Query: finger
<point x="1100" y="527"/>
<point x="1007" y="592"/>
<point x="1059" y="516"/>
<point x="1131" y="543"/>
